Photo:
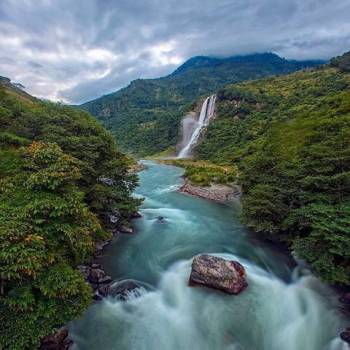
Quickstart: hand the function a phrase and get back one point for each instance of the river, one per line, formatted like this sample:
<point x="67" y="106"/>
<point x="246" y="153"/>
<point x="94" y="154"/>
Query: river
<point x="284" y="307"/>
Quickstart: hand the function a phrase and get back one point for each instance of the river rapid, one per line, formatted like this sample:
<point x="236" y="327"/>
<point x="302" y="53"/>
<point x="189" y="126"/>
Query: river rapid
<point x="283" y="308"/>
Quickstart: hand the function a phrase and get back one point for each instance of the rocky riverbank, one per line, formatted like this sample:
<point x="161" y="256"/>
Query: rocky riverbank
<point x="94" y="274"/>
<point x="215" y="192"/>
<point x="100" y="282"/>
<point x="136" y="168"/>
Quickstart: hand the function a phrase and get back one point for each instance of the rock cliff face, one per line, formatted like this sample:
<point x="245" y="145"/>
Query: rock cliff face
<point x="218" y="273"/>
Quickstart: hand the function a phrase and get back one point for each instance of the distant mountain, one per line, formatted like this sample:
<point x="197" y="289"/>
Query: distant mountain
<point x="145" y="115"/>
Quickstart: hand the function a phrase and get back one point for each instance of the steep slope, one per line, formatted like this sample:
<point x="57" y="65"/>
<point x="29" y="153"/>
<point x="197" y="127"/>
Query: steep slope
<point x="13" y="89"/>
<point x="52" y="210"/>
<point x="145" y="115"/>
<point x="290" y="138"/>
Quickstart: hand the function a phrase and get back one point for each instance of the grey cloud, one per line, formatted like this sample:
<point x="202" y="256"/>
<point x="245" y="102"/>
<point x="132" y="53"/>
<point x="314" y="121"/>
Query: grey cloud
<point x="78" y="50"/>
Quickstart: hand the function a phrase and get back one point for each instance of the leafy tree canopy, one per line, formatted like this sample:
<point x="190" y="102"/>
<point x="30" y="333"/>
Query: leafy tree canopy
<point x="290" y="138"/>
<point x="52" y="210"/>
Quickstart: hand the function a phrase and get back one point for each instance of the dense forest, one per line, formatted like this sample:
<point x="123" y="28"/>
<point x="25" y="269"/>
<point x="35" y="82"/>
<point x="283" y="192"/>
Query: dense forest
<point x="285" y="139"/>
<point x="289" y="136"/>
<point x="53" y="208"/>
<point x="145" y="116"/>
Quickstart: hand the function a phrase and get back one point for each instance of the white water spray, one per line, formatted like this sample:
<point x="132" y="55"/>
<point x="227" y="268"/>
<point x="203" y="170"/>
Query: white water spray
<point x="269" y="315"/>
<point x="206" y="114"/>
<point x="279" y="310"/>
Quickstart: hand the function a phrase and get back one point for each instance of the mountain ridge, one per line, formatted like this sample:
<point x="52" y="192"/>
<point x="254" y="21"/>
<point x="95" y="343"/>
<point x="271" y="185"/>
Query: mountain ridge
<point x="145" y="115"/>
<point x="201" y="60"/>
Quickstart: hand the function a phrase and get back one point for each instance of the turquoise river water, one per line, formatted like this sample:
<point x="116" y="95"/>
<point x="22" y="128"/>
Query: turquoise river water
<point x="284" y="307"/>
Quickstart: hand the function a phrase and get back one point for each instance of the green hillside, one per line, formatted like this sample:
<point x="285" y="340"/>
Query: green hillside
<point x="145" y="115"/>
<point x="290" y="138"/>
<point x="52" y="210"/>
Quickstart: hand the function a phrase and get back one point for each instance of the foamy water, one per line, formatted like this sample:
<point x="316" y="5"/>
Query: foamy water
<point x="283" y="308"/>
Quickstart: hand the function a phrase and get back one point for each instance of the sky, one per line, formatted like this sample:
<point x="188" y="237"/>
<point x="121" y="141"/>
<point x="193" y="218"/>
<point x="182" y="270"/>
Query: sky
<point x="77" y="50"/>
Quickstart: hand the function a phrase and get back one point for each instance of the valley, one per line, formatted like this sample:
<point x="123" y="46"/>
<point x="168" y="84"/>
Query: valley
<point x="163" y="311"/>
<point x="145" y="116"/>
<point x="207" y="209"/>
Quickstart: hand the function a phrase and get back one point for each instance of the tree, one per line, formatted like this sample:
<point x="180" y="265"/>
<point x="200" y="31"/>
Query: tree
<point x="46" y="229"/>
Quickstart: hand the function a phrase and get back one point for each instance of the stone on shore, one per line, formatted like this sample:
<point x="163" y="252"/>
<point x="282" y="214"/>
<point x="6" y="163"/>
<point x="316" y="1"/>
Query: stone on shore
<point x="96" y="275"/>
<point x="218" y="273"/>
<point x="345" y="298"/>
<point x="125" y="229"/>
<point x="215" y="192"/>
<point x="57" y="341"/>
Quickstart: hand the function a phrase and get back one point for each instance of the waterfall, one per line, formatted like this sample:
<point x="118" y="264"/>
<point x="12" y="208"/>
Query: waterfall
<point x="206" y="114"/>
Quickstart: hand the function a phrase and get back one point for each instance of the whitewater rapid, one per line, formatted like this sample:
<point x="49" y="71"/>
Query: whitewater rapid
<point x="284" y="307"/>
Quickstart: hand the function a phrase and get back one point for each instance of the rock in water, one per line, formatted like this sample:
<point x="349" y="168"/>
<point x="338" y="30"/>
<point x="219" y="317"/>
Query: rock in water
<point x="160" y="219"/>
<point x="345" y="335"/>
<point x="122" y="289"/>
<point x="211" y="271"/>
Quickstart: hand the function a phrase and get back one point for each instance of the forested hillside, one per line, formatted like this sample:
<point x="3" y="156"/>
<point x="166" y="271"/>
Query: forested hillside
<point x="290" y="138"/>
<point x="145" y="115"/>
<point x="52" y="210"/>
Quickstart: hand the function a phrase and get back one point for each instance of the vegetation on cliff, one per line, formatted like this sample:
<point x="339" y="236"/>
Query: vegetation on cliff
<point x="290" y="138"/>
<point x="52" y="210"/>
<point x="145" y="116"/>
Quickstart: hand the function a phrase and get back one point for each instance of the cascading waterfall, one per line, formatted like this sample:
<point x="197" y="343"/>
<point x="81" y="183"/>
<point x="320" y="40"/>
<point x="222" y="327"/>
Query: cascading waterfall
<point x="206" y="114"/>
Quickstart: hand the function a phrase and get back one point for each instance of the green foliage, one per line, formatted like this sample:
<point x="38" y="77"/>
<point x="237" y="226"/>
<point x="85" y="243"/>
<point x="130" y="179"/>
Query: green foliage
<point x="78" y="135"/>
<point x="327" y="246"/>
<point x="52" y="206"/>
<point x="342" y="62"/>
<point x="49" y="167"/>
<point x="45" y="230"/>
<point x="145" y="116"/>
<point x="205" y="173"/>
<point x="7" y="138"/>
<point x="290" y="138"/>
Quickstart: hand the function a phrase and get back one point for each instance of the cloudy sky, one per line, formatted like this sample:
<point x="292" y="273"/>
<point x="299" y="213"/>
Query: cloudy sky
<point x="77" y="50"/>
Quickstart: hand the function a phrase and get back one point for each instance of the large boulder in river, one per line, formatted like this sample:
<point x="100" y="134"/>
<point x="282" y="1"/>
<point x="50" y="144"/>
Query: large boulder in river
<point x="212" y="271"/>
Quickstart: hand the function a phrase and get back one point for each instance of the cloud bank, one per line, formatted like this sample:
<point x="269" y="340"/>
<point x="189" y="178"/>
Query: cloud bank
<point x="78" y="50"/>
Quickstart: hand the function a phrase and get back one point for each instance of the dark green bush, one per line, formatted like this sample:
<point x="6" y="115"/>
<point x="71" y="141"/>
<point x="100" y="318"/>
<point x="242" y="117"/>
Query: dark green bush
<point x="52" y="205"/>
